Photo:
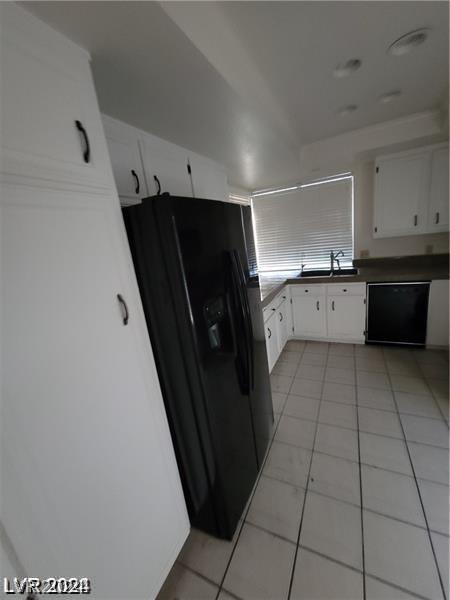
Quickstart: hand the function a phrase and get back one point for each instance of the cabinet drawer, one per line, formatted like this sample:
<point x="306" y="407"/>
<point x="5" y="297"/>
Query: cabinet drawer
<point x="271" y="308"/>
<point x="308" y="290"/>
<point x="269" y="311"/>
<point x="346" y="289"/>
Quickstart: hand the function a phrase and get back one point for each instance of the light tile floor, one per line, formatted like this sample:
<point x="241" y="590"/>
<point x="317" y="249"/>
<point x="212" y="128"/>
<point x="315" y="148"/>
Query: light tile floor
<point x="352" y="502"/>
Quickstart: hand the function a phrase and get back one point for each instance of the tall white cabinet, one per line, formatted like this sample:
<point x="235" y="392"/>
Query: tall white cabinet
<point x="90" y="484"/>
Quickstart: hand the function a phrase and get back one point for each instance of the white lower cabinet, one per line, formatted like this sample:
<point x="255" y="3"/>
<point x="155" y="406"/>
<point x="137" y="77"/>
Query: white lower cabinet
<point x="334" y="312"/>
<point x="271" y="330"/>
<point x="309" y="315"/>
<point x="309" y="311"/>
<point x="282" y="325"/>
<point x="329" y="312"/>
<point x="346" y="318"/>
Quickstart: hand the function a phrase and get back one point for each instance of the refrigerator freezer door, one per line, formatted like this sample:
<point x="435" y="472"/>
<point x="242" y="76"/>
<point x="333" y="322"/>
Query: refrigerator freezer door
<point x="217" y="321"/>
<point x="241" y="233"/>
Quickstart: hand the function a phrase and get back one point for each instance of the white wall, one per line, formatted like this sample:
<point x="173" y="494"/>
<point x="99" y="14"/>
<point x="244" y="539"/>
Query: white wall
<point x="363" y="223"/>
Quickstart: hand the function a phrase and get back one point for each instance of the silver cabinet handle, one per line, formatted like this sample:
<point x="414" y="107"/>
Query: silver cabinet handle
<point x="415" y="220"/>
<point x="281" y="317"/>
<point x="332" y="305"/>
<point x="270" y="333"/>
<point x="437" y="218"/>
<point x="318" y="305"/>
<point x="123" y="304"/>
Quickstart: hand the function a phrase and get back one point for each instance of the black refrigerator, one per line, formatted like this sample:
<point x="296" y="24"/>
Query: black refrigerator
<point x="195" y="263"/>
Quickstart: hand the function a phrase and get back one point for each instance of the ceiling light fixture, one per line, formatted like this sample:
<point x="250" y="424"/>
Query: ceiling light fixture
<point x="389" y="96"/>
<point x="406" y="43"/>
<point x="346" y="110"/>
<point x="346" y="68"/>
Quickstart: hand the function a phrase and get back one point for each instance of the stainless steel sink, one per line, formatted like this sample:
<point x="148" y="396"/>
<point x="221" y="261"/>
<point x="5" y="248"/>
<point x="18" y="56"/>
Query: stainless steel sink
<point x="328" y="273"/>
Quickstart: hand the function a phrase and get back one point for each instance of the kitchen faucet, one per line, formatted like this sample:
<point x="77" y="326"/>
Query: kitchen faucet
<point x="334" y="257"/>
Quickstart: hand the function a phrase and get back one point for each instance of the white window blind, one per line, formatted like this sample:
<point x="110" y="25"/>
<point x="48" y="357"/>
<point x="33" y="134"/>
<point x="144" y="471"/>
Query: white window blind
<point x="302" y="227"/>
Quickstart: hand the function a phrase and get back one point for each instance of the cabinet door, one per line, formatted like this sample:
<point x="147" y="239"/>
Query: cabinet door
<point x="309" y="316"/>
<point x="166" y="167"/>
<point x="438" y="208"/>
<point x="90" y="478"/>
<point x="126" y="164"/>
<point x="346" y="318"/>
<point x="437" y="321"/>
<point x="53" y="131"/>
<point x="271" y="341"/>
<point x="288" y="311"/>
<point x="209" y="178"/>
<point x="282" y="332"/>
<point x="401" y="194"/>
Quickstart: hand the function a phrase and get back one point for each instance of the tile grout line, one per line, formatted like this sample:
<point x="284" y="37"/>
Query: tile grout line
<point x="432" y="393"/>
<point x="306" y="488"/>
<point x="365" y="463"/>
<point x="249" y="502"/>
<point x="418" y="490"/>
<point x="441" y="417"/>
<point x="349" y="503"/>
<point x="363" y="554"/>
<point x="298" y="545"/>
<point x="383" y="435"/>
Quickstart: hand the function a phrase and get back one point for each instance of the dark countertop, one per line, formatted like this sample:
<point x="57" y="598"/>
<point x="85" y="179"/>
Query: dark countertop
<point x="408" y="268"/>
<point x="410" y="261"/>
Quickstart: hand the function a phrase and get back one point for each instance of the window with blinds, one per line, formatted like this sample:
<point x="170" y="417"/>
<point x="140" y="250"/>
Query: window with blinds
<point x="302" y="226"/>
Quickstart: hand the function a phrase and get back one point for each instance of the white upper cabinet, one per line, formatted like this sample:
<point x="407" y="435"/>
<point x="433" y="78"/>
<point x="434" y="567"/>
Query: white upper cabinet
<point x="166" y="167"/>
<point x="145" y="165"/>
<point x="123" y="146"/>
<point x="53" y="130"/>
<point x="209" y="179"/>
<point x="401" y="189"/>
<point x="411" y="192"/>
<point x="438" y="208"/>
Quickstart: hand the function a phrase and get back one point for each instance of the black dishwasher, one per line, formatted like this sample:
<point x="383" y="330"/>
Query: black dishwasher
<point x="397" y="313"/>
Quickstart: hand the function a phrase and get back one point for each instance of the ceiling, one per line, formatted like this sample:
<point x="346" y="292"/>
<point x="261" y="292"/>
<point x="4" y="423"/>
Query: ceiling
<point x="249" y="83"/>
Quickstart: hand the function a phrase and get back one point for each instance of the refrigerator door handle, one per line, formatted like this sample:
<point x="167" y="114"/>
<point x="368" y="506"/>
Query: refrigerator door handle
<point x="248" y="320"/>
<point x="243" y="365"/>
